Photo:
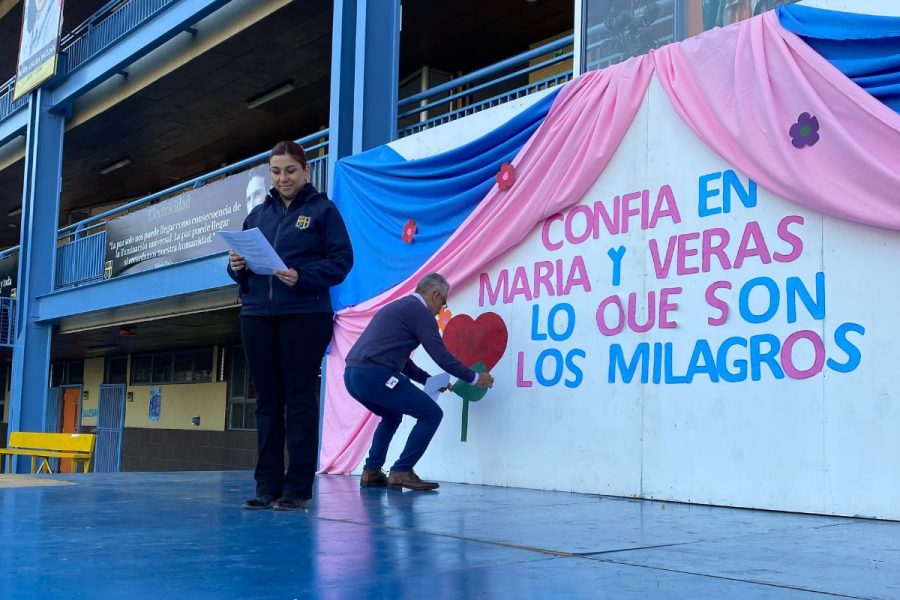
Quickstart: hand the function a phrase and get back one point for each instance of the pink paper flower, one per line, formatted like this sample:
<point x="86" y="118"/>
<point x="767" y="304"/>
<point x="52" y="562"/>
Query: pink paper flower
<point x="409" y="231"/>
<point x="506" y="176"/>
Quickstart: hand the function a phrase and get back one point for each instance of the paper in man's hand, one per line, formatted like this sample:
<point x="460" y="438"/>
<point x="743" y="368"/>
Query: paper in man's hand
<point x="434" y="385"/>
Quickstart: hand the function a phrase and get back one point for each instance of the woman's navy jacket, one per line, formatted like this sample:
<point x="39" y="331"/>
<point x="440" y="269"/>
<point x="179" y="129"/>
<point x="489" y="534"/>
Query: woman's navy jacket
<point x="309" y="235"/>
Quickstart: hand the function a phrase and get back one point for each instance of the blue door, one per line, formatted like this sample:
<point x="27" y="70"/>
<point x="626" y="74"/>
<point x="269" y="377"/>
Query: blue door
<point x="51" y="425"/>
<point x="110" y="429"/>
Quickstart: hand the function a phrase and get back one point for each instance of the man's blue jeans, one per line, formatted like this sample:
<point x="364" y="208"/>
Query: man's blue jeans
<point x="369" y="387"/>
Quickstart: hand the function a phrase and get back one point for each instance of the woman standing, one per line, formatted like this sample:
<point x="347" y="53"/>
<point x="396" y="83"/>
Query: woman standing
<point x="286" y="324"/>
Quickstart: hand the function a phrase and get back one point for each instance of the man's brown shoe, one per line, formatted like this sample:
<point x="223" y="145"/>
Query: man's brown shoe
<point x="409" y="480"/>
<point x="373" y="478"/>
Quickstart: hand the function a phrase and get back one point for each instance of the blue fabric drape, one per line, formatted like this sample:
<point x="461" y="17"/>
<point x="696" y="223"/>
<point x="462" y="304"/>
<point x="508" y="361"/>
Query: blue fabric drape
<point x="865" y="48"/>
<point x="377" y="191"/>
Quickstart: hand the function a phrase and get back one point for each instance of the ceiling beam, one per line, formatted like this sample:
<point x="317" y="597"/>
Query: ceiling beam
<point x="165" y="283"/>
<point x="13" y="126"/>
<point x="165" y="25"/>
<point x="7" y="5"/>
<point x="212" y="32"/>
<point x="178" y="306"/>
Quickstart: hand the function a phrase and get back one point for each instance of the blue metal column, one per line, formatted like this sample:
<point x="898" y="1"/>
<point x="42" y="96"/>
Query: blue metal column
<point x="340" y="125"/>
<point x="29" y="386"/>
<point x="364" y="76"/>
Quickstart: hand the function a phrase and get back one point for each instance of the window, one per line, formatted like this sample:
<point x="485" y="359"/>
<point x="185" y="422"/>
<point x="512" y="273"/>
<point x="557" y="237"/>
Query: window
<point x="614" y="30"/>
<point x="192" y="366"/>
<point x="706" y="14"/>
<point x="161" y="371"/>
<point x="115" y="369"/>
<point x="203" y="365"/>
<point x="185" y="366"/>
<point x="142" y="368"/>
<point x="241" y="393"/>
<point x="75" y="372"/>
<point x="57" y="371"/>
<point x="67" y="373"/>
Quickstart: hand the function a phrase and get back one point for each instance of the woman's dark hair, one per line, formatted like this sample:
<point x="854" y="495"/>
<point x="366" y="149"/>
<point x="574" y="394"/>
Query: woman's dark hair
<point x="292" y="149"/>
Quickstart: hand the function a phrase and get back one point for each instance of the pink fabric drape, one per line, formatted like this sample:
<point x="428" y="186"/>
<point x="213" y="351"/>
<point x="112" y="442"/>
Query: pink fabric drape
<point x="739" y="88"/>
<point x="554" y="170"/>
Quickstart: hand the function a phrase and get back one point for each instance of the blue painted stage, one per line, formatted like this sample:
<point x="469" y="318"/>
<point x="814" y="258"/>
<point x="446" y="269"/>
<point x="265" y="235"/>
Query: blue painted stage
<point x="184" y="535"/>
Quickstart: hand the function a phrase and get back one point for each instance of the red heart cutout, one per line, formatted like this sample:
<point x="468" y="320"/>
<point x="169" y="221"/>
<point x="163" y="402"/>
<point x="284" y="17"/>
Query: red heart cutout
<point x="481" y="339"/>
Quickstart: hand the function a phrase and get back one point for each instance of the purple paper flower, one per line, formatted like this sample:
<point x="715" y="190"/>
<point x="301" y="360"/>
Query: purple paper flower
<point x="805" y="132"/>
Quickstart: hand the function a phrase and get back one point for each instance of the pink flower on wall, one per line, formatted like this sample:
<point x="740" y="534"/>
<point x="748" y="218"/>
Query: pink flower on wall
<point x="409" y="231"/>
<point x="506" y="176"/>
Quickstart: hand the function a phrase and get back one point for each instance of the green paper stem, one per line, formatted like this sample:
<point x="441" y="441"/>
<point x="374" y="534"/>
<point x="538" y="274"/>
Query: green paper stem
<point x="469" y="393"/>
<point x="465" y="421"/>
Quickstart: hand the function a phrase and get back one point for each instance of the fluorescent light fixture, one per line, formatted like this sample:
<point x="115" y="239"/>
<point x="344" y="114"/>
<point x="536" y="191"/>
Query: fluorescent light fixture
<point x="15" y="212"/>
<point x="115" y="165"/>
<point x="103" y="348"/>
<point x="281" y="90"/>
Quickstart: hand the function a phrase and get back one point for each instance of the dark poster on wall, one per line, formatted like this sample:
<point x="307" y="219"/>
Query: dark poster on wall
<point x="9" y="276"/>
<point x="183" y="227"/>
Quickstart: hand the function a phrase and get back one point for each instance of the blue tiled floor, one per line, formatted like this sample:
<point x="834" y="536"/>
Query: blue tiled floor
<point x="183" y="535"/>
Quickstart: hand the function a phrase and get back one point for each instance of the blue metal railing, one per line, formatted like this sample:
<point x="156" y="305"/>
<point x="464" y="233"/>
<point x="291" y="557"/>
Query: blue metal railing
<point x="79" y="263"/>
<point x="104" y="27"/>
<point x="81" y="260"/>
<point x="599" y="52"/>
<point x="7" y="106"/>
<point x="317" y="167"/>
<point x="488" y="103"/>
<point x="464" y="90"/>
<point x="318" y="171"/>
<point x="7" y="321"/>
<point x="82" y="252"/>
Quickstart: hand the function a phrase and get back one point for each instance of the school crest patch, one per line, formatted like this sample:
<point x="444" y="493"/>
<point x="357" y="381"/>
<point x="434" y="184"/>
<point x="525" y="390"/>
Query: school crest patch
<point x="303" y="222"/>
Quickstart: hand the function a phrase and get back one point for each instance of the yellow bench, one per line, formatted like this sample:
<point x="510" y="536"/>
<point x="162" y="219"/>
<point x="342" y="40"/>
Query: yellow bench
<point x="77" y="446"/>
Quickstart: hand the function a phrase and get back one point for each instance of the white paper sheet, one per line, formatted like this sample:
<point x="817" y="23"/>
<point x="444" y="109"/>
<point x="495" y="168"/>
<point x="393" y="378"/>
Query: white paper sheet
<point x="259" y="254"/>
<point x="434" y="384"/>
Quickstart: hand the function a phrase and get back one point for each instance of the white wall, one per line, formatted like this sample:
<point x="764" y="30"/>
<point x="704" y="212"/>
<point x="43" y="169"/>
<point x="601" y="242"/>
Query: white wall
<point x="825" y="443"/>
<point x="457" y="133"/>
<point x="888" y="8"/>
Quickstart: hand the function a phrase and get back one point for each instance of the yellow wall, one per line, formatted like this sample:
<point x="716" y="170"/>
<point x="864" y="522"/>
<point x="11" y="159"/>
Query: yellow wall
<point x="93" y="377"/>
<point x="178" y="404"/>
<point x="556" y="69"/>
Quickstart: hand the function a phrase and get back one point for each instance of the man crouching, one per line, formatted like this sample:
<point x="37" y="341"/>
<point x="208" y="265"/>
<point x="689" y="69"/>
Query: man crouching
<point x="378" y="372"/>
